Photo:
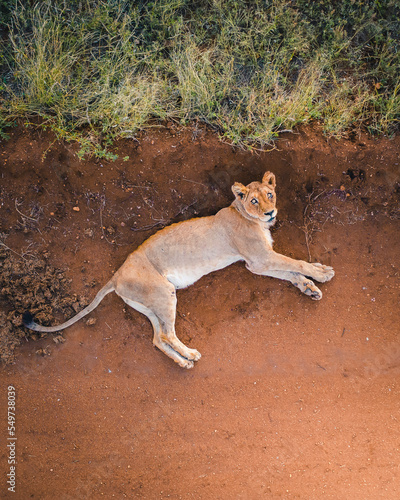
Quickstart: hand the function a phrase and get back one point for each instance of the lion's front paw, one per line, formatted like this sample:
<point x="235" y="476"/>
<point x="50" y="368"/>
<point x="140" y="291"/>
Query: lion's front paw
<point x="309" y="288"/>
<point x="322" y="273"/>
<point x="185" y="363"/>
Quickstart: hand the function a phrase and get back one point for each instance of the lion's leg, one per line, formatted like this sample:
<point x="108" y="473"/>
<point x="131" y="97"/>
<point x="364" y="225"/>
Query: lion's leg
<point x="166" y="348"/>
<point x="170" y="352"/>
<point x="144" y="289"/>
<point x="167" y="314"/>
<point x="304" y="284"/>
<point x="157" y="339"/>
<point x="278" y="262"/>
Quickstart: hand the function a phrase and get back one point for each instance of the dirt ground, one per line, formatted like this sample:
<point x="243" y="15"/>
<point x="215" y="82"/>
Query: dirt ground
<point x="292" y="398"/>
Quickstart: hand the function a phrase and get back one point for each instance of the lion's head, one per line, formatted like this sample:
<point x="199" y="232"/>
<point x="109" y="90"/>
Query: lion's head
<point x="258" y="199"/>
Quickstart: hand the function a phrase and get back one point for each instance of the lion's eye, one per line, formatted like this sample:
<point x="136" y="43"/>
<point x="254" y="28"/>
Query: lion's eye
<point x="270" y="196"/>
<point x="254" y="201"/>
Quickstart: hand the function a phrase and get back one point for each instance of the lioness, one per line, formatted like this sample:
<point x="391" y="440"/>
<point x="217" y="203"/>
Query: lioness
<point x="178" y="255"/>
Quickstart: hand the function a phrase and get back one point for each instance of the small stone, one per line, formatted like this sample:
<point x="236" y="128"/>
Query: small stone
<point x="76" y="209"/>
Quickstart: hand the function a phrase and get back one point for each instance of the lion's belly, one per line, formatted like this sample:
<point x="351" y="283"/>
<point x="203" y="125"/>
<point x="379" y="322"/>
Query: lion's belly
<point x="186" y="275"/>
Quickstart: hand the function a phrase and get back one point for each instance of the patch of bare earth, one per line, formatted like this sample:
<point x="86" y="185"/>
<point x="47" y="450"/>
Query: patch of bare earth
<point x="291" y="399"/>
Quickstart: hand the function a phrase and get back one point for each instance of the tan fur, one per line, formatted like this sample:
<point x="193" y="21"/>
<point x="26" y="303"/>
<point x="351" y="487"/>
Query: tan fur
<point x="180" y="254"/>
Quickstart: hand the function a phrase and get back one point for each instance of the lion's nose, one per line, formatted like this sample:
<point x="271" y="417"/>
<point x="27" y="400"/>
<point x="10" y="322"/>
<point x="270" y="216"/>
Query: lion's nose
<point x="270" y="214"/>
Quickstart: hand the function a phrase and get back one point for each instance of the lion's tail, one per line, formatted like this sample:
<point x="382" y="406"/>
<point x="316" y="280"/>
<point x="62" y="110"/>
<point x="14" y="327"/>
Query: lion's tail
<point x="29" y="323"/>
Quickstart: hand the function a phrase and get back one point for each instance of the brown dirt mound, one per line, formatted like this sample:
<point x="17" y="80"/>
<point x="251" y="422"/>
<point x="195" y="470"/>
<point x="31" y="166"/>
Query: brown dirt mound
<point x="31" y="285"/>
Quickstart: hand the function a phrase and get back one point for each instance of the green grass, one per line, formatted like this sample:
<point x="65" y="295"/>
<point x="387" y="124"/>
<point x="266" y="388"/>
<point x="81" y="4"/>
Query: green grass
<point x="100" y="70"/>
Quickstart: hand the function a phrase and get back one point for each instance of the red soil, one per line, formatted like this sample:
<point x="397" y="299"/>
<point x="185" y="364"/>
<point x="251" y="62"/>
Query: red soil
<point x="291" y="399"/>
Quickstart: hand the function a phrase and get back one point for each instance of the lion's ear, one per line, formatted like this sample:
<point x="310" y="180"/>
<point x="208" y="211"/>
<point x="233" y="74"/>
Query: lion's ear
<point x="269" y="178"/>
<point x="239" y="190"/>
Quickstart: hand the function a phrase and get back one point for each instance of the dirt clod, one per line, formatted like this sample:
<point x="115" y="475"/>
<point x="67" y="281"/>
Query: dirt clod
<point x="43" y="352"/>
<point x="58" y="339"/>
<point x="30" y="285"/>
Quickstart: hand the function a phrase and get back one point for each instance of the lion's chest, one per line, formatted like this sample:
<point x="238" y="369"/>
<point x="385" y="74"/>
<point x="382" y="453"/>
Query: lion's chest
<point x="268" y="236"/>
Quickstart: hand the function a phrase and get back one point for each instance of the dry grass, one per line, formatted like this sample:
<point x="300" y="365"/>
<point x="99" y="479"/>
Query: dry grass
<point x="97" y="71"/>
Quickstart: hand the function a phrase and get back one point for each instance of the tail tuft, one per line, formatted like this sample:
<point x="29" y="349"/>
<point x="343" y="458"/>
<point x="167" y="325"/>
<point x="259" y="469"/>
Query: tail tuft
<point x="27" y="320"/>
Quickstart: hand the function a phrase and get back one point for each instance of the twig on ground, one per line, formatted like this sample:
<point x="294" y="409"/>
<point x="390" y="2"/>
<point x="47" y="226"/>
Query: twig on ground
<point x="102" y="205"/>
<point x="308" y="238"/>
<point x="163" y="222"/>
<point x="23" y="215"/>
<point x="309" y="226"/>
<point x="194" y="182"/>
<point x="146" y="228"/>
<point x="2" y="244"/>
